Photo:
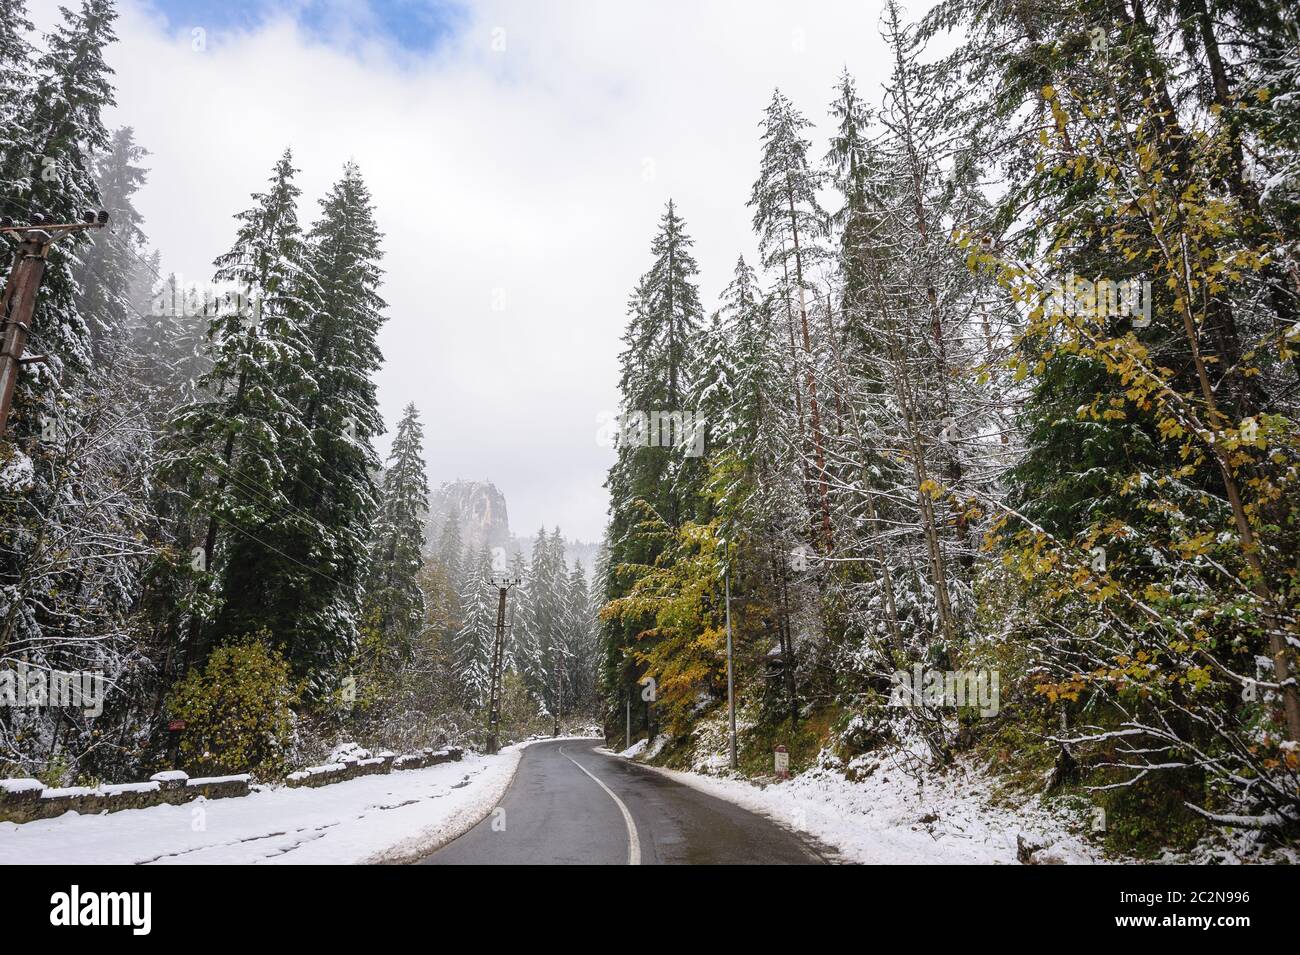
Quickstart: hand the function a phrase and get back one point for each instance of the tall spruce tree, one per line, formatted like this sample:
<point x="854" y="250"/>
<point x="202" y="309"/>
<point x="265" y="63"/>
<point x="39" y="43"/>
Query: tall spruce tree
<point x="240" y="446"/>
<point x="542" y="651"/>
<point x="581" y="667"/>
<point x="333" y="481"/>
<point x="474" y="640"/>
<point x="110" y="268"/>
<point x="394" y="596"/>
<point x="789" y="220"/>
<point x="653" y="484"/>
<point x="15" y="83"/>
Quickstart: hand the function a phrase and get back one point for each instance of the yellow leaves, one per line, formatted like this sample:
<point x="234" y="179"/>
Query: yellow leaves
<point x="1045" y="563"/>
<point x="1155" y="593"/>
<point x="1104" y="592"/>
<point x="1170" y="428"/>
<point x="1068" y="689"/>
<point x="1146" y="155"/>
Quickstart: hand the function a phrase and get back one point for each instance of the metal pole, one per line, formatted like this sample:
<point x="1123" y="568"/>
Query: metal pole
<point x="628" y="743"/>
<point x="731" y="683"/>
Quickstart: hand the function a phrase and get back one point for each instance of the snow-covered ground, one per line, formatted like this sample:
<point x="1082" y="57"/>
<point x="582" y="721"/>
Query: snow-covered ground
<point x="645" y="749"/>
<point x="893" y="817"/>
<point x="393" y="818"/>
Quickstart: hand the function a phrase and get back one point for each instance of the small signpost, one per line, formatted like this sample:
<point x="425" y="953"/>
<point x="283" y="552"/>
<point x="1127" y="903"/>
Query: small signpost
<point x="782" y="763"/>
<point x="174" y="730"/>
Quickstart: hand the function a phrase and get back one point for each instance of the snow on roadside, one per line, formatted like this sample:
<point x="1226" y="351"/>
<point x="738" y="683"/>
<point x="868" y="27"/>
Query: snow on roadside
<point x="891" y="818"/>
<point x="390" y="818"/>
<point x="635" y="750"/>
<point x="645" y="749"/>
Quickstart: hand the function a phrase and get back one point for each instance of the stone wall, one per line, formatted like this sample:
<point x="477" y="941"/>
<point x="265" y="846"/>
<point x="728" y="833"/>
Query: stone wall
<point x="25" y="800"/>
<point x="382" y="764"/>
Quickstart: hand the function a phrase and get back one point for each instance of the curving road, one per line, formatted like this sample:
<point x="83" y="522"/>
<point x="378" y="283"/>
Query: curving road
<point x="571" y="804"/>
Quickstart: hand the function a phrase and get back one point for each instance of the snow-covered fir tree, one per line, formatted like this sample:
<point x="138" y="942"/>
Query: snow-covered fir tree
<point x="241" y="445"/>
<point x="394" y="597"/>
<point x="474" y="639"/>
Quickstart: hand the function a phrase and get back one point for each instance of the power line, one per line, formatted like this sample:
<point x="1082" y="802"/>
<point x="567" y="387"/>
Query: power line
<point x="271" y="547"/>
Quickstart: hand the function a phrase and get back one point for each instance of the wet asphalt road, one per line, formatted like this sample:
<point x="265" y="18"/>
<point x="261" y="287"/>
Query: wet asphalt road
<point x="555" y="813"/>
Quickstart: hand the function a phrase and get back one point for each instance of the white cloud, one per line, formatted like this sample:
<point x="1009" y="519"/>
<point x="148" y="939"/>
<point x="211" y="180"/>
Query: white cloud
<point x="522" y="171"/>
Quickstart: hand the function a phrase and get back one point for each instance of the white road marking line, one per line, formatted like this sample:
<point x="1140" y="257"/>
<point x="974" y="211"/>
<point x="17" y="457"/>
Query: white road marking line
<point x="633" y="842"/>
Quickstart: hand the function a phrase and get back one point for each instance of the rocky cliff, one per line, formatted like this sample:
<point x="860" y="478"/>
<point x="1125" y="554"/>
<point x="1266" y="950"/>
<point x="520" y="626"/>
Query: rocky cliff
<point x="481" y="510"/>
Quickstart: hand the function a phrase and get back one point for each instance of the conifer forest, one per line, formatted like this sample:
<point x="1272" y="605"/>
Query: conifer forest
<point x="907" y="394"/>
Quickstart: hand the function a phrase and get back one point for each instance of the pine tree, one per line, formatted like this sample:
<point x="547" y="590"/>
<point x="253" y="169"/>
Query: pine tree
<point x="582" y="665"/>
<point x="739" y="380"/>
<point x="449" y="555"/>
<point x="474" y="640"/>
<point x="332" y="481"/>
<point x="55" y="108"/>
<point x="855" y="174"/>
<point x="64" y="129"/>
<point x="655" y="366"/>
<point x="167" y="339"/>
<point x="109" y="269"/>
<point x="241" y="444"/>
<point x="394" y="594"/>
<point x="789" y="219"/>
<point x="545" y="620"/>
<point x="523" y="651"/>
<point x="15" y="85"/>
<point x="648" y="479"/>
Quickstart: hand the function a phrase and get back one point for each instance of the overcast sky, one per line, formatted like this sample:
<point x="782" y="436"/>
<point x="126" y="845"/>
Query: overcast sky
<point x="520" y="155"/>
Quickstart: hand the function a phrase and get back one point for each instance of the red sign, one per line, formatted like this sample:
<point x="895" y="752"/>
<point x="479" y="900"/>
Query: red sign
<point x="175" y="726"/>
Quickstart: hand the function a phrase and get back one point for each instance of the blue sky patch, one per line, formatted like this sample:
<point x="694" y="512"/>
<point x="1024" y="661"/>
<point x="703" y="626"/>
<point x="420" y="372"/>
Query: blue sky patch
<point x="416" y="26"/>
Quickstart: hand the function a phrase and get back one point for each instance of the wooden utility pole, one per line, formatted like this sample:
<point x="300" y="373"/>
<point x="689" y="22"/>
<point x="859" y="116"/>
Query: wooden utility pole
<point x="503" y="585"/>
<point x="731" y="680"/>
<point x="559" y="696"/>
<point x="34" y="242"/>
